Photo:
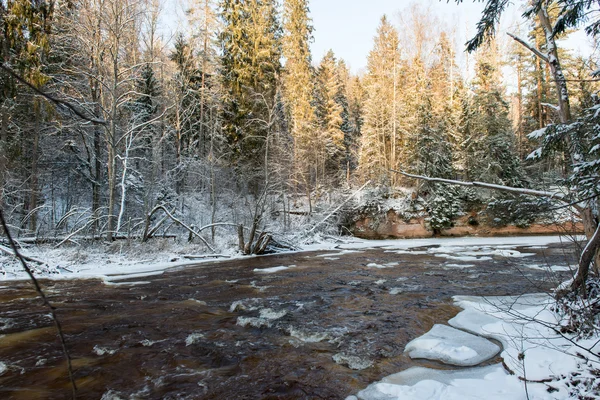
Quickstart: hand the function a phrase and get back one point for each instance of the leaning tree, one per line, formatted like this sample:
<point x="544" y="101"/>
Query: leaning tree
<point x="578" y="135"/>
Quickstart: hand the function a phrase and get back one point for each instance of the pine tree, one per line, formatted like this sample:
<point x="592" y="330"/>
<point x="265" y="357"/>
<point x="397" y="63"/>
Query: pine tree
<point x="350" y="98"/>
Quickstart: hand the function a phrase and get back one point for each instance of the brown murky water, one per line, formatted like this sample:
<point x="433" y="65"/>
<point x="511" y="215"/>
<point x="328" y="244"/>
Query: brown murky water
<point x="223" y="331"/>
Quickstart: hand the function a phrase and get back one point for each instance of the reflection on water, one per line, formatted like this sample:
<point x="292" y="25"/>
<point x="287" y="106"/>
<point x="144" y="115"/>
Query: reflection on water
<point x="323" y="329"/>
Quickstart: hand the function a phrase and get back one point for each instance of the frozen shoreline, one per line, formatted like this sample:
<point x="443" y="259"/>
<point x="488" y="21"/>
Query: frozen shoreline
<point x="63" y="264"/>
<point x="542" y="364"/>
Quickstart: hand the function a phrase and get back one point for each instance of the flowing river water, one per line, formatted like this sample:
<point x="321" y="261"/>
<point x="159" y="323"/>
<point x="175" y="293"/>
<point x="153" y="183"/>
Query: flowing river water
<point x="323" y="329"/>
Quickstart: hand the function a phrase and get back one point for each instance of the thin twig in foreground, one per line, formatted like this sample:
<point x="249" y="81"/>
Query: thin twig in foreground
<point x="38" y="288"/>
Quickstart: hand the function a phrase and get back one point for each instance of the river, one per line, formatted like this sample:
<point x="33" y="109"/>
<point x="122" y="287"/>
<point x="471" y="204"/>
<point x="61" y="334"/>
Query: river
<point x="322" y="329"/>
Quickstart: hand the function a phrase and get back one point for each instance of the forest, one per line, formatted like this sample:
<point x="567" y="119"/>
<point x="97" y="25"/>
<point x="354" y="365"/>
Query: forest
<point x="139" y="167"/>
<point x="230" y="132"/>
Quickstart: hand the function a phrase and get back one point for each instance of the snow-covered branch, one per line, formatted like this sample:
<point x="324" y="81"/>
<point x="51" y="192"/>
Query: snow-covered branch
<point x="524" y="191"/>
<point x="531" y="48"/>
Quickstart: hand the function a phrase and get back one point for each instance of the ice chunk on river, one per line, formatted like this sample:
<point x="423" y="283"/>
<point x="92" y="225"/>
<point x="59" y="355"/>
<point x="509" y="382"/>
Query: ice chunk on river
<point x="417" y="383"/>
<point x="451" y="346"/>
<point x="473" y="321"/>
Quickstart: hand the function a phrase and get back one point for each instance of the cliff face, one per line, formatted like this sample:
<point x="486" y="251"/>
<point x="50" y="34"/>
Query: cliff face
<point x="391" y="225"/>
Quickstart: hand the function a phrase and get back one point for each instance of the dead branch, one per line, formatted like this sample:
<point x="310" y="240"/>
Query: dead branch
<point x="529" y="47"/>
<point x="26" y="258"/>
<point x="337" y="208"/>
<point x="54" y="100"/>
<point x="186" y="227"/>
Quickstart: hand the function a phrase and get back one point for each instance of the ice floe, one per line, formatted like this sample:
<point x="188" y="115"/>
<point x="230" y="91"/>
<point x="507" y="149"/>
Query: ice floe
<point x="382" y="266"/>
<point x="533" y="352"/>
<point x="490" y="383"/>
<point x="452" y="346"/>
<point x="273" y="269"/>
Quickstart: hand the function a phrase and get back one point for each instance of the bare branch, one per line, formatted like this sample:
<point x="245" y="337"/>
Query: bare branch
<point x="56" y="101"/>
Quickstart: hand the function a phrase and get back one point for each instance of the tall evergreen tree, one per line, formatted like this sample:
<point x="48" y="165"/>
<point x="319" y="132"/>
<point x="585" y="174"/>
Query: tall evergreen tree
<point x="329" y="105"/>
<point x="491" y="155"/>
<point x="381" y="137"/>
<point x="250" y="67"/>
<point x="298" y="84"/>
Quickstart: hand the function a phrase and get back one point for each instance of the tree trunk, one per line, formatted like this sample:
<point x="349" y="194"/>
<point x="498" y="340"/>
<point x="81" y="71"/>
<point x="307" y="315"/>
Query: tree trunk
<point x="34" y="189"/>
<point x="4" y="116"/>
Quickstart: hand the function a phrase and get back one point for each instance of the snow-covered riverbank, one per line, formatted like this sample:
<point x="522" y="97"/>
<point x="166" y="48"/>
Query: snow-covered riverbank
<point x="114" y="263"/>
<point x="539" y="362"/>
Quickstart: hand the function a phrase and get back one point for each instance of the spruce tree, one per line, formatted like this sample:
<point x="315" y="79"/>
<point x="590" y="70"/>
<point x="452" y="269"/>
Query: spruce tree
<point x="298" y="87"/>
<point x="491" y="156"/>
<point x="329" y="112"/>
<point x="250" y="66"/>
<point x="381" y="137"/>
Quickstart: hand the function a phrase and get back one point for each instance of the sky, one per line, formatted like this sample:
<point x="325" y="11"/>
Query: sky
<point x="348" y="26"/>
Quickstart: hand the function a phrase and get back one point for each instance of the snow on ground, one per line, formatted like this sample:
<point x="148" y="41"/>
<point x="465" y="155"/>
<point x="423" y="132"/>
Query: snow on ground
<point x="541" y="364"/>
<point x="118" y="262"/>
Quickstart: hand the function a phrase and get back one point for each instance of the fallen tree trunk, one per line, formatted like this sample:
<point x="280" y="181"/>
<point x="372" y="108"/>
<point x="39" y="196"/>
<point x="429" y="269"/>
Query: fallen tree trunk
<point x="591" y="251"/>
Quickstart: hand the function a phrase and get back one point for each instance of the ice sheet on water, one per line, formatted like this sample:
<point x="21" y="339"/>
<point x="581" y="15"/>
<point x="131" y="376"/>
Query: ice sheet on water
<point x="524" y="325"/>
<point x="457" y="266"/>
<point x="451" y="346"/>
<point x="490" y="383"/>
<point x="273" y="269"/>
<point x="473" y="321"/>
<point x="549" y="268"/>
<point x="382" y="266"/>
